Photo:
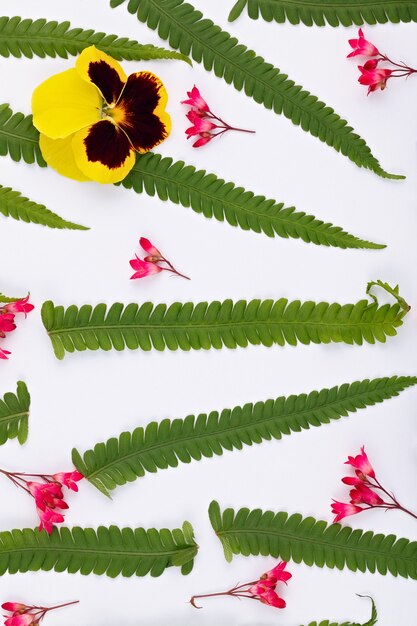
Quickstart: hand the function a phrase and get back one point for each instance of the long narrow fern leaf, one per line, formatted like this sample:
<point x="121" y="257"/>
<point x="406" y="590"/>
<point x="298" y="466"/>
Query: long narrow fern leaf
<point x="168" y="443"/>
<point x="213" y="197"/>
<point x="204" y="193"/>
<point x="13" y="204"/>
<point x="187" y="30"/>
<point x="371" y="622"/>
<point x="306" y="540"/>
<point x="25" y="37"/>
<point x="18" y="137"/>
<point x="14" y="415"/>
<point x="322" y="12"/>
<point x="111" y="551"/>
<point x="216" y="325"/>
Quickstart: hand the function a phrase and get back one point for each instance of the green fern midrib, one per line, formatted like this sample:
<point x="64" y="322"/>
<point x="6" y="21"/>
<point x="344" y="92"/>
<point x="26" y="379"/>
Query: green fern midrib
<point x="15" y="416"/>
<point x="114" y="553"/>
<point x="364" y="5"/>
<point x="246" y="426"/>
<point x="23" y="138"/>
<point x="289" y="537"/>
<point x="216" y="52"/>
<point x="55" y="40"/>
<point x="344" y="236"/>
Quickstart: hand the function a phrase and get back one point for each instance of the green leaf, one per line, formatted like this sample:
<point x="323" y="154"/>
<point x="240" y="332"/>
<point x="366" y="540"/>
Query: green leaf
<point x="216" y="325"/>
<point x="18" y="137"/>
<point x="111" y="551"/>
<point x="213" y="197"/>
<point x="13" y="204"/>
<point x="306" y="540"/>
<point x="322" y="12"/>
<point x="168" y="443"/>
<point x="187" y="30"/>
<point x="208" y="195"/>
<point x="28" y="38"/>
<point x="14" y="415"/>
<point x="6" y="299"/>
<point x="371" y="622"/>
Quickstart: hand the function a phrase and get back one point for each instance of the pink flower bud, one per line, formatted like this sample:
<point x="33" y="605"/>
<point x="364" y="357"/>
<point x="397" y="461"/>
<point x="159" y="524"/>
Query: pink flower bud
<point x="149" y="248"/>
<point x="362" y="46"/>
<point x="143" y="268"/>
<point x="361" y="463"/>
<point x="195" y="100"/>
<point x="342" y="510"/>
<point x="68" y="479"/>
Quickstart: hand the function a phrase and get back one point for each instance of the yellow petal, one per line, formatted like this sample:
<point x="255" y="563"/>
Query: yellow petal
<point x="103" y="71"/>
<point x="59" y="154"/>
<point x="103" y="152"/>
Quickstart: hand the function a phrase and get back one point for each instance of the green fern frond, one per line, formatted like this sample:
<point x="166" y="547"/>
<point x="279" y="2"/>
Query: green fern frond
<point x="13" y="204"/>
<point x="168" y="443"/>
<point x="28" y="38"/>
<point x="187" y="30"/>
<point x="306" y="540"/>
<point x="216" y="325"/>
<point x="110" y="551"/>
<point x="14" y="415"/>
<point x="371" y="622"/>
<point x="213" y="197"/>
<point x="18" y="137"/>
<point x="322" y="12"/>
<point x="7" y="299"/>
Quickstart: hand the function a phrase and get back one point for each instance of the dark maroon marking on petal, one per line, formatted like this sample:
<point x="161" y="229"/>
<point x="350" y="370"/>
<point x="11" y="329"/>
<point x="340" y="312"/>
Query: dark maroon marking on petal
<point x="106" y="79"/>
<point x="107" y="144"/>
<point x="139" y="99"/>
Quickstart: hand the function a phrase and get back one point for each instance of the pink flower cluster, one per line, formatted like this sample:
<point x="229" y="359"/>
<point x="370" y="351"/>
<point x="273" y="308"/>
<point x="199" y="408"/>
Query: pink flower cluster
<point x="27" y="615"/>
<point x="151" y="264"/>
<point x="263" y="589"/>
<point x="372" y="74"/>
<point x="48" y="495"/>
<point x="205" y="124"/>
<point x="363" y="495"/>
<point x="8" y="312"/>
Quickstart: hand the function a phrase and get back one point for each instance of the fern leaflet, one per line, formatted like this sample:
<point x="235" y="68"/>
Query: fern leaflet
<point x="203" y="326"/>
<point x="13" y="204"/>
<point x="14" y="415"/>
<point x="213" y="197"/>
<point x="322" y="12"/>
<point x="187" y="30"/>
<point x="306" y="540"/>
<point x="371" y="622"/>
<point x="25" y="37"/>
<point x="18" y="137"/>
<point x="111" y="551"/>
<point x="168" y="443"/>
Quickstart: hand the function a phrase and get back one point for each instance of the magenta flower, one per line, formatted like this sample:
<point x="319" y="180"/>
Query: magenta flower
<point x="151" y="264"/>
<point x="362" y="46"/>
<point x="8" y="312"/>
<point x="367" y="491"/>
<point x="263" y="589"/>
<point x="25" y="615"/>
<point x="20" y="306"/>
<point x="205" y="124"/>
<point x="4" y="354"/>
<point x="47" y="493"/>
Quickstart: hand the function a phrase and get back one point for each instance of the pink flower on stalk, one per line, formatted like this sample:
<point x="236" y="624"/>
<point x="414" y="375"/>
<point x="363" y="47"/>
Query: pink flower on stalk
<point x="263" y="589"/>
<point x="20" y="306"/>
<point x="205" y="124"/>
<point x="362" y="46"/>
<point x="24" y="615"/>
<point x="374" y="78"/>
<point x="150" y="265"/>
<point x="7" y="324"/>
<point x="366" y="491"/>
<point x="68" y="479"/>
<point x="7" y="318"/>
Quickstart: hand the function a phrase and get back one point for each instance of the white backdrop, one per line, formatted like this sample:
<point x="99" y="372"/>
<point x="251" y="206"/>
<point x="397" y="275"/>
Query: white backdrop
<point x="92" y="396"/>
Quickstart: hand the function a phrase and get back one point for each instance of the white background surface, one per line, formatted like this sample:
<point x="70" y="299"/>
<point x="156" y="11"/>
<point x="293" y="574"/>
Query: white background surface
<point x="92" y="396"/>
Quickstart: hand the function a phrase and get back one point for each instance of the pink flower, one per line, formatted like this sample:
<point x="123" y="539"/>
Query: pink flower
<point x="200" y="126"/>
<point x="4" y="354"/>
<point x="14" y="607"/>
<point x="353" y="481"/>
<point x="203" y="140"/>
<point x="362" y="47"/>
<point x="47" y="495"/>
<point x="6" y="323"/>
<point x="271" y="598"/>
<point x="20" y="620"/>
<point x="24" y="615"/>
<point x="342" y="510"/>
<point x="20" y="306"/>
<point x="361" y="463"/>
<point x="48" y="518"/>
<point x="374" y="78"/>
<point x="143" y="268"/>
<point x="68" y="479"/>
<point x="195" y="100"/>
<point x="276" y="575"/>
<point x="364" y="495"/>
<point x="150" y="249"/>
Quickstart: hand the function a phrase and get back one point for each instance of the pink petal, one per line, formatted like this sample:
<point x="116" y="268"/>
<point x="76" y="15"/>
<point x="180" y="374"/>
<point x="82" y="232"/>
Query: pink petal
<point x="144" y="268"/>
<point x="149" y="247"/>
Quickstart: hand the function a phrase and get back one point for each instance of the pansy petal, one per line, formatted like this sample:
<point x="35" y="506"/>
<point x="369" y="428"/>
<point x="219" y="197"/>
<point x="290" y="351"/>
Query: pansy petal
<point x="141" y="111"/>
<point x="65" y="104"/>
<point x="103" y="152"/>
<point x="59" y="154"/>
<point x="103" y="71"/>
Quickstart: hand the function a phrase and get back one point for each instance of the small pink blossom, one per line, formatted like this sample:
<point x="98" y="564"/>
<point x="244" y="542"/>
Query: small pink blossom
<point x="20" y="620"/>
<point x="152" y="264"/>
<point x="196" y="100"/>
<point x="4" y="354"/>
<point x="271" y="598"/>
<point x="343" y="509"/>
<point x="374" y="78"/>
<point x="48" y="518"/>
<point x="365" y="495"/>
<point x="69" y="479"/>
<point x="7" y="324"/>
<point x="20" y="306"/>
<point x="25" y="615"/>
<point x="362" y="46"/>
<point x="361" y="463"/>
<point x="8" y="311"/>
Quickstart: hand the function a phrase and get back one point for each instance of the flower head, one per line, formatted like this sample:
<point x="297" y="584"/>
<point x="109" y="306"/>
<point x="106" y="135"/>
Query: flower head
<point x="374" y="78"/>
<point x="68" y="479"/>
<point x="20" y="306"/>
<point x="362" y="46"/>
<point x="361" y="464"/>
<point x="94" y="119"/>
<point x="196" y="100"/>
<point x="343" y="509"/>
<point x="151" y="264"/>
<point x="364" y="495"/>
<point x="4" y="354"/>
<point x="24" y="615"/>
<point x="7" y="324"/>
<point x="143" y="268"/>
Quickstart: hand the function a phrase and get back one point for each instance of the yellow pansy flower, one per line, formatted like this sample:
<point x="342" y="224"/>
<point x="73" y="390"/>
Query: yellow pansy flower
<point x="93" y="119"/>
